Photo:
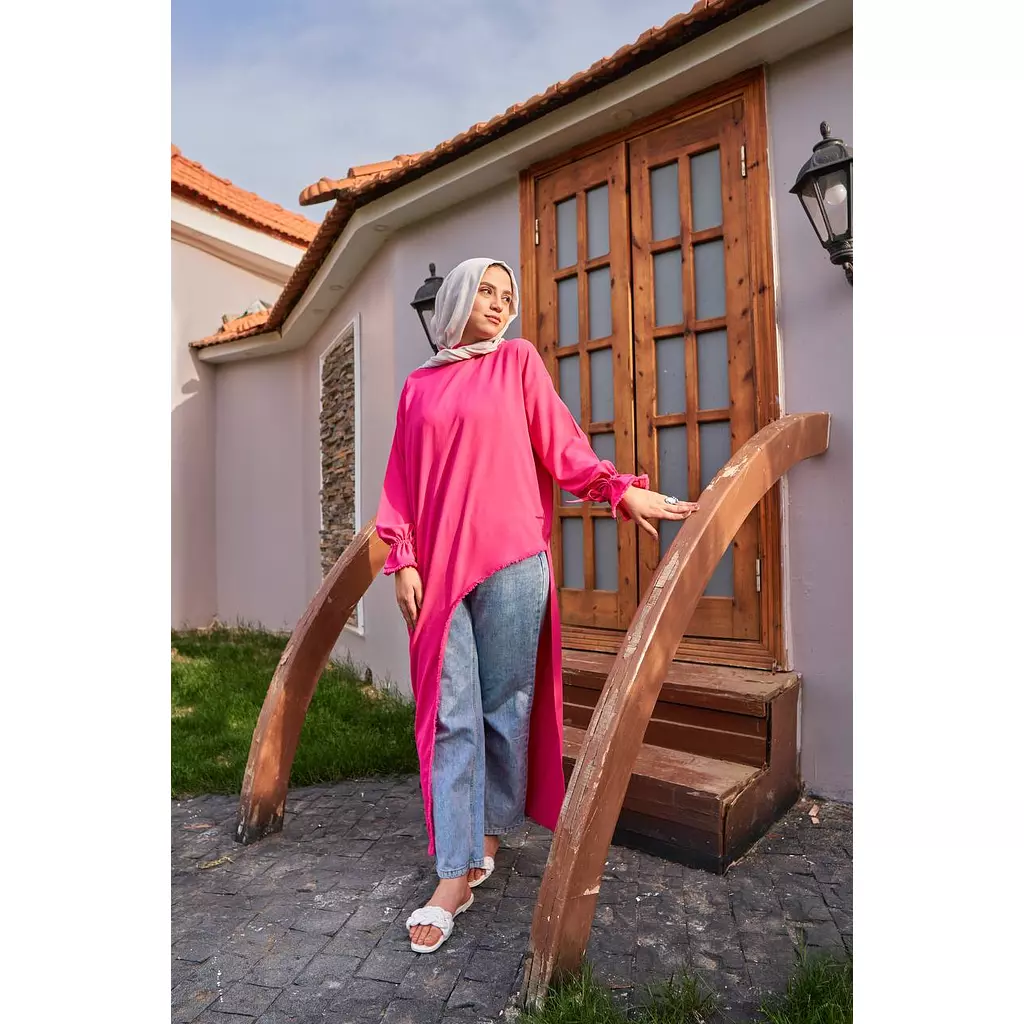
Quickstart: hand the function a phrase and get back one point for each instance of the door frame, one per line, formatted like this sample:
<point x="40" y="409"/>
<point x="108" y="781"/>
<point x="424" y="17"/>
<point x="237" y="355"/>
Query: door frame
<point x="749" y="86"/>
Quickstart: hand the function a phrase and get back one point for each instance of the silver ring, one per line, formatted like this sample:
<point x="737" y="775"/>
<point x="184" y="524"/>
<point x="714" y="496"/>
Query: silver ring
<point x="669" y="500"/>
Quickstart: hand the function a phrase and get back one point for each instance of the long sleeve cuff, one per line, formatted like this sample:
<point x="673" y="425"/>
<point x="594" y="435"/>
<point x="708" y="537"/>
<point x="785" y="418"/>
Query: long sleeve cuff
<point x="402" y="555"/>
<point x="610" y="486"/>
<point x="403" y="549"/>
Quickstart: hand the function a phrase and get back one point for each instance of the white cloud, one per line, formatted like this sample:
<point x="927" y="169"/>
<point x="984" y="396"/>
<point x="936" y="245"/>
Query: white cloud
<point x="274" y="103"/>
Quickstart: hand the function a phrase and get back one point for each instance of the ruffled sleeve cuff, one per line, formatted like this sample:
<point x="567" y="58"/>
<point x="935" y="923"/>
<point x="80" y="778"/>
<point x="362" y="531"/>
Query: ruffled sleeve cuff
<point x="402" y="554"/>
<point x="610" y="486"/>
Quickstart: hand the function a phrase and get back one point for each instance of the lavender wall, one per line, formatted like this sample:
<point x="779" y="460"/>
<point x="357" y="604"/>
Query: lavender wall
<point x="268" y="446"/>
<point x="392" y="345"/>
<point x="815" y="314"/>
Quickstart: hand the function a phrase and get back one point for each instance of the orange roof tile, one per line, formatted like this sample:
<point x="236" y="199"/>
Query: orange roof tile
<point x="371" y="181"/>
<point x="194" y="183"/>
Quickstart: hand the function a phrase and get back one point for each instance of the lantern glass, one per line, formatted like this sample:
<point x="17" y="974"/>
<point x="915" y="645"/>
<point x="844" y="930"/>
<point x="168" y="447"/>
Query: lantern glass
<point x="835" y="192"/>
<point x="809" y="198"/>
<point x="427" y="318"/>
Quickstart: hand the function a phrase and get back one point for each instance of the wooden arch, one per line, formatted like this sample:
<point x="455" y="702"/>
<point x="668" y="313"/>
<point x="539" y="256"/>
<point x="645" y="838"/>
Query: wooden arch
<point x="276" y="736"/>
<point x="572" y="878"/>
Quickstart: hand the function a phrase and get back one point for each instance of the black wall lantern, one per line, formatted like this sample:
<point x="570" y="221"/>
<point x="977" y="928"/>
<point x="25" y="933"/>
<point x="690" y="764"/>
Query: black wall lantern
<point x="825" y="188"/>
<point x="423" y="303"/>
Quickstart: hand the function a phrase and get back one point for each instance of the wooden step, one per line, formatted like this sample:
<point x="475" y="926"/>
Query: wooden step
<point x="701" y="810"/>
<point x="702" y="709"/>
<point x="714" y="734"/>
<point x="668" y="781"/>
<point x="738" y="690"/>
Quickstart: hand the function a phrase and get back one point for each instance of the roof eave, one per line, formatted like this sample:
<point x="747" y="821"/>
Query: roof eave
<point x="268" y="343"/>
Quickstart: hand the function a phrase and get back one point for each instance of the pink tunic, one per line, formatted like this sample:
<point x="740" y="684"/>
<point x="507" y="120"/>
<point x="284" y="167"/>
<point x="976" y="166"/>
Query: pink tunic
<point x="468" y="491"/>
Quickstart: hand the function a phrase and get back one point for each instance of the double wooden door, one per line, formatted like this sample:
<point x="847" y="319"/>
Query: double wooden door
<point x="642" y="270"/>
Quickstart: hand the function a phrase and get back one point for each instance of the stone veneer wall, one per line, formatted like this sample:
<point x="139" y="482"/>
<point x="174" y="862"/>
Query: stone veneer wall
<point x="338" y="453"/>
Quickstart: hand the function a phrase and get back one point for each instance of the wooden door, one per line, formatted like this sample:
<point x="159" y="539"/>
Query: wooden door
<point x="647" y="264"/>
<point x="584" y="333"/>
<point x="693" y="339"/>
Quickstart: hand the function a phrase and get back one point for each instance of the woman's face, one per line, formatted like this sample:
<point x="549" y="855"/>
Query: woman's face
<point x="491" y="308"/>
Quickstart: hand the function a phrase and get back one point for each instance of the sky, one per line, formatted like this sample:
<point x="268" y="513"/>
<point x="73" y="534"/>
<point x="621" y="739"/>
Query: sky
<point x="275" y="95"/>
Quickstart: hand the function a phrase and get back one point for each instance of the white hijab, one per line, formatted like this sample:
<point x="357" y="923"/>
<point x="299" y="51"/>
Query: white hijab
<point x="452" y="307"/>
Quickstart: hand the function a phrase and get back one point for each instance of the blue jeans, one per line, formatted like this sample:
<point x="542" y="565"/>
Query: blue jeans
<point x="483" y="718"/>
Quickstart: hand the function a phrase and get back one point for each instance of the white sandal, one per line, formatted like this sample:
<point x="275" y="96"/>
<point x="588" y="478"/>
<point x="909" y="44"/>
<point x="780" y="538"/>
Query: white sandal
<point x="438" y="918"/>
<point x="488" y="869"/>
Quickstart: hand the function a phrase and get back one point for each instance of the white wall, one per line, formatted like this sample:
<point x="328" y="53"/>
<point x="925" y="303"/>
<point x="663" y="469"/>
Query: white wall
<point x="203" y="288"/>
<point x="260" y="541"/>
<point x="815" y="313"/>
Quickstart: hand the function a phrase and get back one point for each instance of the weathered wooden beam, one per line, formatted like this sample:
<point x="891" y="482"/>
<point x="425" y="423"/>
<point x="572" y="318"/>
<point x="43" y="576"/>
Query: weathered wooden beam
<point x="276" y="737"/>
<point x="572" y="879"/>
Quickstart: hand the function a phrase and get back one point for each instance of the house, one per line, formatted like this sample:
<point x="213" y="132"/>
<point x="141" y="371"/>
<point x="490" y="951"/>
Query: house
<point x="681" y="302"/>
<point x="231" y="253"/>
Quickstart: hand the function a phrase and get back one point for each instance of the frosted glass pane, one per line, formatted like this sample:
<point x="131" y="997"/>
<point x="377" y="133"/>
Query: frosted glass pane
<point x="706" y="190"/>
<point x="599" y="302"/>
<point x="602" y="406"/>
<point x="569" y="385"/>
<point x="606" y="554"/>
<point x="709" y="276"/>
<point x="568" y="312"/>
<point x="670" y="356"/>
<point x="833" y="191"/>
<point x="565" y="227"/>
<point x="712" y="370"/>
<point x="715" y="449"/>
<point x="720" y="584"/>
<point x="667" y="530"/>
<point x="673" y="471"/>
<point x="668" y="288"/>
<point x="597" y="222"/>
<point x="665" y="202"/>
<point x="809" y="198"/>
<point x="604" y="446"/>
<point x="572" y="553"/>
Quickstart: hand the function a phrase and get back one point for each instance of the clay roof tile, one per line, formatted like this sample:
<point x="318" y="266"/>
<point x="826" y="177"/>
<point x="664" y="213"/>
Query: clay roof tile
<point x="192" y="182"/>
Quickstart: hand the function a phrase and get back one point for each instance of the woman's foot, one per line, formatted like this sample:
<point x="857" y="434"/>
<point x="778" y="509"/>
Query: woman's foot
<point x="490" y="850"/>
<point x="451" y="893"/>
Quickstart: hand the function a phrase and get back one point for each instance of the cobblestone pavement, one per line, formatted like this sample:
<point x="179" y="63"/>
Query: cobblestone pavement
<point x="308" y="925"/>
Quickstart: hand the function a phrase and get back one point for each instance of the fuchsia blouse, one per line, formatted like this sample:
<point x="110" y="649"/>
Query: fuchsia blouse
<point x="467" y="491"/>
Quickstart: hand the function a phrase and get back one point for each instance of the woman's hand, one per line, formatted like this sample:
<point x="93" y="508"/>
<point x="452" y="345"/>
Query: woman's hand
<point x="643" y="505"/>
<point x="409" y="594"/>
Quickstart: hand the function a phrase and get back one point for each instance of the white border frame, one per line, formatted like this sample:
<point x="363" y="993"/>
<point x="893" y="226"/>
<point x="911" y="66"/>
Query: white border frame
<point x="351" y="329"/>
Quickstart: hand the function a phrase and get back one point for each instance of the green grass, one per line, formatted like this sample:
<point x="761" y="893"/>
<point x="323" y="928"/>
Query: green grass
<point x="576" y="1000"/>
<point x="686" y="1001"/>
<point x="582" y="1000"/>
<point x="819" y="992"/>
<point x="219" y="678"/>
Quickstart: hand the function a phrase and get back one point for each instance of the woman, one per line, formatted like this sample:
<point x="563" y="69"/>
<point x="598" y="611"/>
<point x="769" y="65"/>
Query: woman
<point x="467" y="507"/>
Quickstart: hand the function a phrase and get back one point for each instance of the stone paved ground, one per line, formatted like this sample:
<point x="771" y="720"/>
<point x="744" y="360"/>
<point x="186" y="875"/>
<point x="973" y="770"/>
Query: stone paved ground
<point x="307" y="925"/>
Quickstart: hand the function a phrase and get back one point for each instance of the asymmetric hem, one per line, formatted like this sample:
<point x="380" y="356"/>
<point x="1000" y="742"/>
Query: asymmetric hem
<point x="468" y="491"/>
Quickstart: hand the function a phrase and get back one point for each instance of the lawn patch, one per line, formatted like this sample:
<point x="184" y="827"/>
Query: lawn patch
<point x="819" y="992"/>
<point x="219" y="679"/>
